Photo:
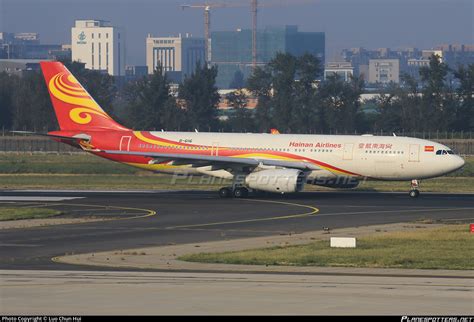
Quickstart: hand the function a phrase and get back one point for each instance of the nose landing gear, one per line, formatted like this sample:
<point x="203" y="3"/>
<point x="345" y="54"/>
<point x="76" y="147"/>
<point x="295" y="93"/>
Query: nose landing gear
<point x="414" y="192"/>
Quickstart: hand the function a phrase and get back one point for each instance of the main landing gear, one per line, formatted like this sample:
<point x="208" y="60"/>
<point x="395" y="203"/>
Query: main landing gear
<point x="414" y="192"/>
<point x="238" y="192"/>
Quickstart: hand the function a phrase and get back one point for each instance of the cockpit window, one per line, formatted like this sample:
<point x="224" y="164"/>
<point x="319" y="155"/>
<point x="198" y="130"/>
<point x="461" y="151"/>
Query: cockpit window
<point x="440" y="152"/>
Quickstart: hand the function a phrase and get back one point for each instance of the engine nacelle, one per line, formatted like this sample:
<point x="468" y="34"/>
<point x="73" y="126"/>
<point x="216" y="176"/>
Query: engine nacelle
<point x="337" y="183"/>
<point x="276" y="180"/>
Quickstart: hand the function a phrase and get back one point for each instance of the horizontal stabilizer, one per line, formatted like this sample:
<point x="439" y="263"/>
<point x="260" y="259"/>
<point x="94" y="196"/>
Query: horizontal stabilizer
<point x="75" y="138"/>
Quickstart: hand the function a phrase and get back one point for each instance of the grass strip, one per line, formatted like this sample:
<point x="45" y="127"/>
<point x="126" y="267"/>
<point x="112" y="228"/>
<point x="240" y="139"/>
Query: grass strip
<point x="161" y="181"/>
<point x="27" y="213"/>
<point x="449" y="247"/>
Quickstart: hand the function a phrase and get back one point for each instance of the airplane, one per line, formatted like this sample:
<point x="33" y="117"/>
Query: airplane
<point x="278" y="163"/>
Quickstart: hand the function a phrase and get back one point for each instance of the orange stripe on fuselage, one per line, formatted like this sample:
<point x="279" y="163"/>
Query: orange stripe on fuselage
<point x="229" y="152"/>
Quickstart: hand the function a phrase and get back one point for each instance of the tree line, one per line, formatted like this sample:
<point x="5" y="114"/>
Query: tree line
<point x="289" y="99"/>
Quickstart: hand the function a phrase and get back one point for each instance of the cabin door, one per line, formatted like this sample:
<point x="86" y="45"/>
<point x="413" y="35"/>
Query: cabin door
<point x="215" y="149"/>
<point x="414" y="153"/>
<point x="125" y="143"/>
<point x="348" y="151"/>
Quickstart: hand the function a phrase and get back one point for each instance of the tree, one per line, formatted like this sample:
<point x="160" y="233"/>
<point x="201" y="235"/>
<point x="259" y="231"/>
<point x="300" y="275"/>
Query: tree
<point x="341" y="104"/>
<point x="241" y="120"/>
<point x="436" y="103"/>
<point x="465" y="98"/>
<point x="238" y="81"/>
<point x="260" y="84"/>
<point x="201" y="97"/>
<point x="389" y="118"/>
<point x="150" y="104"/>
<point x="286" y="93"/>
<point x="307" y="103"/>
<point x="7" y="87"/>
<point x="284" y="69"/>
<point x="32" y="105"/>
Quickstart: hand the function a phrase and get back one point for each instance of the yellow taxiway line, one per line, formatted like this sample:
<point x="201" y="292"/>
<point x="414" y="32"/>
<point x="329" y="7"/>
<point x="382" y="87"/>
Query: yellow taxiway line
<point x="313" y="211"/>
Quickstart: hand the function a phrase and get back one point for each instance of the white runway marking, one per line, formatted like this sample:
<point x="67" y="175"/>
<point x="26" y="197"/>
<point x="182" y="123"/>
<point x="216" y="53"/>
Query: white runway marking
<point x="19" y="245"/>
<point x="36" y="198"/>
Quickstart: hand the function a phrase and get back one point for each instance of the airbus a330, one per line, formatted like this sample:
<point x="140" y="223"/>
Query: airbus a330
<point x="279" y="163"/>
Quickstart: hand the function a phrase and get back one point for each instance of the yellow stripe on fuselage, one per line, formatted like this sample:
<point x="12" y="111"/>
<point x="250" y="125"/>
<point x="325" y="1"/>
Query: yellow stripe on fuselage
<point x="156" y="167"/>
<point x="141" y="137"/>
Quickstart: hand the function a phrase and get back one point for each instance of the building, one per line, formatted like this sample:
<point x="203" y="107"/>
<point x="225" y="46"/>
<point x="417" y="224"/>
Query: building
<point x="231" y="51"/>
<point x="99" y="45"/>
<point x="177" y="55"/>
<point x="426" y="54"/>
<point x="410" y="59"/>
<point x="359" y="57"/>
<point x="134" y="72"/>
<point x="384" y="71"/>
<point x="27" y="37"/>
<point x="343" y="70"/>
<point x="414" y="65"/>
<point x="27" y="46"/>
<point x="455" y="55"/>
<point x="19" y="66"/>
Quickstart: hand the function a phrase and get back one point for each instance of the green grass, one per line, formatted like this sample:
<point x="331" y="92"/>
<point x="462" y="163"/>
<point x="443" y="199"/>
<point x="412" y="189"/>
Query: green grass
<point x="86" y="163"/>
<point x="86" y="171"/>
<point x="442" y="184"/>
<point x="77" y="163"/>
<point x="161" y="181"/>
<point x="467" y="170"/>
<point x="111" y="182"/>
<point x="27" y="213"/>
<point x="450" y="247"/>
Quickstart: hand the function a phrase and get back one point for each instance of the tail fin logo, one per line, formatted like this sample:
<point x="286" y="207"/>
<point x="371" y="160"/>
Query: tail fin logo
<point x="66" y="88"/>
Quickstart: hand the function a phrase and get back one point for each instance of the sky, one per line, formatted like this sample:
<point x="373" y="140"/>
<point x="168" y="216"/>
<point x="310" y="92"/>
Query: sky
<point x="347" y="23"/>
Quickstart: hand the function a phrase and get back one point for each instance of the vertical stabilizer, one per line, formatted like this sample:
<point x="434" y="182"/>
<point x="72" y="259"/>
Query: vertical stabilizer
<point x="75" y="109"/>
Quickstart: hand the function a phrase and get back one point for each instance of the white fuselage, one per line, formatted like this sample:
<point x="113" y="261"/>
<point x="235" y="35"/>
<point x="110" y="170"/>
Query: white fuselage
<point x="377" y="157"/>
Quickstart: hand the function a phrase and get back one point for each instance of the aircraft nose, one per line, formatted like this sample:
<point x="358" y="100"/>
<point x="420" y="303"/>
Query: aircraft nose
<point x="458" y="162"/>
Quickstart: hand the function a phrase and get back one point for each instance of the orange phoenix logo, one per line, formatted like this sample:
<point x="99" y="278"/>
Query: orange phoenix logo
<point x="274" y="131"/>
<point x="67" y="89"/>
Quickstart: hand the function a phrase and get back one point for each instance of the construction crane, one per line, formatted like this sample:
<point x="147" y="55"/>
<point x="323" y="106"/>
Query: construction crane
<point x="254" y="5"/>
<point x="207" y="21"/>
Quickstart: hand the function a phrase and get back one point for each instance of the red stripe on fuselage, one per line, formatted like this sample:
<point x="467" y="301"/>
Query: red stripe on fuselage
<point x="111" y="140"/>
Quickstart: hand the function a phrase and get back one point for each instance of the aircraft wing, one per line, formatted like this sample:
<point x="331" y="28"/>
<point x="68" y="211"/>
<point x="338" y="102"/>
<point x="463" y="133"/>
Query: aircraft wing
<point x="219" y="160"/>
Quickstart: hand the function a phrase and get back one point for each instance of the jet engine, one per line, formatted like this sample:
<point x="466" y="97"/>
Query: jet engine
<point x="276" y="180"/>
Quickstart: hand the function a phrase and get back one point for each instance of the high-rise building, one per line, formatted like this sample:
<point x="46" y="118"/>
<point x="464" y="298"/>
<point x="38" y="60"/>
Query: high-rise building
<point x="359" y="57"/>
<point x="99" y="45"/>
<point x="384" y="71"/>
<point x="231" y="51"/>
<point x="178" y="56"/>
<point x="457" y="54"/>
<point x="343" y="70"/>
<point x="27" y="46"/>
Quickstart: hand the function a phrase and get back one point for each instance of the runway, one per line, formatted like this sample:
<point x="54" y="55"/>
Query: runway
<point x="152" y="293"/>
<point x="141" y="219"/>
<point x="152" y="218"/>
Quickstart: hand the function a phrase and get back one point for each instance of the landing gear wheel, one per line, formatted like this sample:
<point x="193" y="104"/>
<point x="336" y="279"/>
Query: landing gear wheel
<point x="241" y="192"/>
<point x="225" y="193"/>
<point x="414" y="192"/>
